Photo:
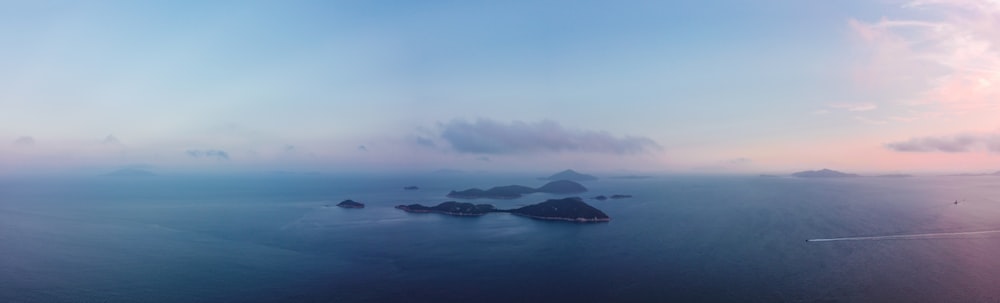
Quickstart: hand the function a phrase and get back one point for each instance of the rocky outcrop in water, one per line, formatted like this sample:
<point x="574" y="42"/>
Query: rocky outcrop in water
<point x="351" y="204"/>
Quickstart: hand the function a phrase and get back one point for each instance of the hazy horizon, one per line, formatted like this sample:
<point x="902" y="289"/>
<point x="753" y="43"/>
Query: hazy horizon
<point x="125" y="172"/>
<point x="717" y="87"/>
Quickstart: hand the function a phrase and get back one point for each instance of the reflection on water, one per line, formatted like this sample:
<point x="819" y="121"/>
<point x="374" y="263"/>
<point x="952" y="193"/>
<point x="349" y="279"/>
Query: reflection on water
<point x="738" y="239"/>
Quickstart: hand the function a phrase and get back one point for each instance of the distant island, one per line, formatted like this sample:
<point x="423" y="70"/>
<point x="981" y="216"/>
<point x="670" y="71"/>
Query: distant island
<point x="411" y="187"/>
<point x="601" y="198"/>
<point x="976" y="175"/>
<point x="130" y="172"/>
<point x="351" y="204"/>
<point x="570" y="175"/>
<point x="567" y="209"/>
<point x="829" y="173"/>
<point x="516" y="191"/>
<point x="499" y="192"/>
<point x="823" y="173"/>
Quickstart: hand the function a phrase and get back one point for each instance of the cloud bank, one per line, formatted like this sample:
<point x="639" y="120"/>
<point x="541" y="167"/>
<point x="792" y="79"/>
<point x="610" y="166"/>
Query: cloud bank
<point x="111" y="140"/>
<point x="487" y="136"/>
<point x="738" y="161"/>
<point x="208" y="153"/>
<point x="425" y="142"/>
<point x="959" y="143"/>
<point x="24" y="140"/>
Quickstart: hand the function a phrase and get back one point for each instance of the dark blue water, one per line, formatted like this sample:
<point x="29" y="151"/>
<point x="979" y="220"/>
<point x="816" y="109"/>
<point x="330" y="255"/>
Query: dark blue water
<point x="682" y="239"/>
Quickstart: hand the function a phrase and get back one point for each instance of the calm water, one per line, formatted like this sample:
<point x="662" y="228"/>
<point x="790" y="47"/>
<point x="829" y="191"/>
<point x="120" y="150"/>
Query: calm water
<point x="267" y="239"/>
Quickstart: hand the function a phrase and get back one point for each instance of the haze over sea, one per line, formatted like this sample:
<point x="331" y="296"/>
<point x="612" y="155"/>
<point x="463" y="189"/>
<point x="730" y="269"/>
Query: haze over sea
<point x="274" y="238"/>
<point x="184" y="105"/>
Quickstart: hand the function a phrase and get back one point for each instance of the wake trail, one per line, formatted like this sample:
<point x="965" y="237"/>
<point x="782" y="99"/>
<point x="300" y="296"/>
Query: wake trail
<point x="909" y="237"/>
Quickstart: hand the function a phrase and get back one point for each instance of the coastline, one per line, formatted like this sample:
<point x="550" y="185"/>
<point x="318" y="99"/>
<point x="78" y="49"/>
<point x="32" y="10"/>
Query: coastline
<point x="421" y="211"/>
<point x="510" y="211"/>
<point x="576" y="220"/>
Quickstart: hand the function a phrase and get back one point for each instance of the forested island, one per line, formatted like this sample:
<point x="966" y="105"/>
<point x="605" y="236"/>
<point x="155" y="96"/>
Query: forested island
<point x="450" y="208"/>
<point x="567" y="209"/>
<point x="570" y="175"/>
<point x="516" y="191"/>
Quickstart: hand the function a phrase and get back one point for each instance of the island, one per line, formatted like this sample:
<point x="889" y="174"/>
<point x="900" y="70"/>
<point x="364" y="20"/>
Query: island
<point x="620" y="196"/>
<point x="450" y="208"/>
<point x="975" y="175"/>
<point x="570" y="175"/>
<point x="351" y="204"/>
<point x="499" y="192"/>
<point x="823" y="173"/>
<point x="411" y="187"/>
<point x="567" y="209"/>
<point x="561" y="187"/>
<point x="601" y="197"/>
<point x="516" y="191"/>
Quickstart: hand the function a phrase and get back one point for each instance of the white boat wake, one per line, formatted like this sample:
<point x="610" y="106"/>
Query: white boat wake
<point x="910" y="236"/>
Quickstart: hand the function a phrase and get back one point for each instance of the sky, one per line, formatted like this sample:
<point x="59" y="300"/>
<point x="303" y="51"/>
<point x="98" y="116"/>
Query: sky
<point x="612" y="86"/>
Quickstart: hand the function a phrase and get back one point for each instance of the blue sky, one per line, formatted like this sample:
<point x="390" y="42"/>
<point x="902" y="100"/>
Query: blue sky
<point x="706" y="86"/>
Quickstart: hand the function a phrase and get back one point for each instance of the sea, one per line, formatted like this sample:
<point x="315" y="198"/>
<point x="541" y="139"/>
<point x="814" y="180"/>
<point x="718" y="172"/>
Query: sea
<point x="279" y="238"/>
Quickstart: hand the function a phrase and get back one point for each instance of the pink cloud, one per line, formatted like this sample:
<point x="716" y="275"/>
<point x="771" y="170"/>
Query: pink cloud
<point x="854" y="107"/>
<point x="957" y="143"/>
<point x="952" y="61"/>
